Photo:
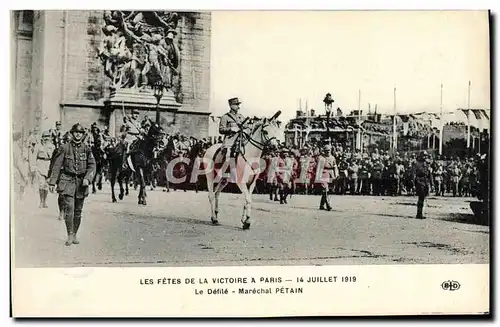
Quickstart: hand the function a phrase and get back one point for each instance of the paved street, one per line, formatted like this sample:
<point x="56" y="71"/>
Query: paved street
<point x="174" y="230"/>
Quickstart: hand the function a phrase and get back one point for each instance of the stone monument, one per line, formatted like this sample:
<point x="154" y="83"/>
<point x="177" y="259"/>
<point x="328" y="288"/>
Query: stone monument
<point x="139" y="51"/>
<point x="91" y="66"/>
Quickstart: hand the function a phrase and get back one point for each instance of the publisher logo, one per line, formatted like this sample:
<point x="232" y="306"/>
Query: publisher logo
<point x="450" y="285"/>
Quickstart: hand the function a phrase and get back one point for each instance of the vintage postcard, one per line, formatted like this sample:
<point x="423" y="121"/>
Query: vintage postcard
<point x="249" y="163"/>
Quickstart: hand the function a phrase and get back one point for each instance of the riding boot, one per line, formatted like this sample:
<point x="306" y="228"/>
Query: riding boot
<point x="281" y="197"/>
<point x="285" y="194"/>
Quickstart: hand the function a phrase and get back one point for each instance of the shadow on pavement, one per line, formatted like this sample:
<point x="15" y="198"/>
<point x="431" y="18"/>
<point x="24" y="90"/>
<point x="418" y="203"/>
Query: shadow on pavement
<point x="183" y="220"/>
<point x="464" y="218"/>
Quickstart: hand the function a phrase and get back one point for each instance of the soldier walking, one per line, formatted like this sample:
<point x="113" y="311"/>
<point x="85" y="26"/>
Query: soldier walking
<point x="73" y="170"/>
<point x="422" y="179"/>
<point x="327" y="160"/>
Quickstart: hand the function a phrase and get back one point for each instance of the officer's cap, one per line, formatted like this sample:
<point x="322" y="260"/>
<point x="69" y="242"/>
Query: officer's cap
<point x="327" y="148"/>
<point x="77" y="128"/>
<point x="46" y="134"/>
<point x="135" y="111"/>
<point x="58" y="123"/>
<point x="233" y="101"/>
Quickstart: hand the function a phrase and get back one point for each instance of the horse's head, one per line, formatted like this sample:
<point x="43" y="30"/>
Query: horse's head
<point x="155" y="133"/>
<point x="270" y="131"/>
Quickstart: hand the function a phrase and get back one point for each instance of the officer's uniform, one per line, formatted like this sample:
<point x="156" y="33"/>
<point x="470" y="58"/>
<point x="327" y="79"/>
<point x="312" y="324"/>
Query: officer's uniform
<point x="43" y="153"/>
<point x="133" y="130"/>
<point x="422" y="180"/>
<point x="57" y="136"/>
<point x="73" y="163"/>
<point x="330" y="171"/>
<point x="229" y="126"/>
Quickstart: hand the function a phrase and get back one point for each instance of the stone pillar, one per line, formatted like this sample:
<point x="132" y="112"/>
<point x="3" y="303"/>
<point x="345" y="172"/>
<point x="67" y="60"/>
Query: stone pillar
<point x="46" y="68"/>
<point x="21" y="61"/>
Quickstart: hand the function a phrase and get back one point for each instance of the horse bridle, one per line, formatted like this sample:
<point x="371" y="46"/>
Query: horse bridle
<point x="257" y="144"/>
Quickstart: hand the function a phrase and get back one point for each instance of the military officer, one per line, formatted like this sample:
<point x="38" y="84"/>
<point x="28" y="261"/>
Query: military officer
<point x="73" y="169"/>
<point x="422" y="179"/>
<point x="330" y="171"/>
<point x="133" y="131"/>
<point x="230" y="126"/>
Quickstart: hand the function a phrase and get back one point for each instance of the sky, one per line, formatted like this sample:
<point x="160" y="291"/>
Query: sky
<point x="270" y="59"/>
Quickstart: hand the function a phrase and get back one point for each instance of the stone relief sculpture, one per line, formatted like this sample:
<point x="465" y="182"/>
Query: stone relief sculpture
<point x="139" y="48"/>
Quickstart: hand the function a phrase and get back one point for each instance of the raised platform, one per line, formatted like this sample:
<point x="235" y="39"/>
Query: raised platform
<point x="142" y="99"/>
<point x="122" y="101"/>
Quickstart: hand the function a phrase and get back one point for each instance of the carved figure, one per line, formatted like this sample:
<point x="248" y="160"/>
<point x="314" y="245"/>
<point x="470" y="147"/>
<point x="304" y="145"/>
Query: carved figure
<point x="139" y="47"/>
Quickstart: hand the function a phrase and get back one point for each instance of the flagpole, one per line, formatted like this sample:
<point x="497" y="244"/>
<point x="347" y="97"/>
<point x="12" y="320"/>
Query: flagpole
<point x="359" y="100"/>
<point x="442" y="124"/>
<point x="394" y="135"/>
<point x="468" y="116"/>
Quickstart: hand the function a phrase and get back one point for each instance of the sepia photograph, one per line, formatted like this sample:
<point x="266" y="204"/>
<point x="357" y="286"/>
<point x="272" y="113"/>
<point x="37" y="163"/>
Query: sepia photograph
<point x="252" y="139"/>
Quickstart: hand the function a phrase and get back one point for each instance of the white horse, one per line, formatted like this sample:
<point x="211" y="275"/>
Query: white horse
<point x="261" y="133"/>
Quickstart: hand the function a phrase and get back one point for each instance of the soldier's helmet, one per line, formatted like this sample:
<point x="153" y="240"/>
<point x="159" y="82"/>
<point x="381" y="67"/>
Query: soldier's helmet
<point x="77" y="128"/>
<point x="46" y="134"/>
<point x="327" y="148"/>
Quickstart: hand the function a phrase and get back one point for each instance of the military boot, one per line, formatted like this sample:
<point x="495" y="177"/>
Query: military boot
<point x="420" y="212"/>
<point x="327" y="201"/>
<point x="322" y="202"/>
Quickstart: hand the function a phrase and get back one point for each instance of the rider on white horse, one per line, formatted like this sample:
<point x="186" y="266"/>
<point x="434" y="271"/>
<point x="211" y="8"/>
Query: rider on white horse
<point x="230" y="126"/>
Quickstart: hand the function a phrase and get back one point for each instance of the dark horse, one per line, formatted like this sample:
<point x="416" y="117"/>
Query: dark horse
<point x="141" y="154"/>
<point x="100" y="160"/>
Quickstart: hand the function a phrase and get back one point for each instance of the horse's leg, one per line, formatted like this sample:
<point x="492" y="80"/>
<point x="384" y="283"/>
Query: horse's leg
<point x="211" y="197"/>
<point x="223" y="183"/>
<point x="113" y="180"/>
<point x="94" y="180"/>
<point x="99" y="176"/>
<point x="245" y="217"/>
<point x="142" y="187"/>
<point x="120" y="183"/>
<point x="128" y="176"/>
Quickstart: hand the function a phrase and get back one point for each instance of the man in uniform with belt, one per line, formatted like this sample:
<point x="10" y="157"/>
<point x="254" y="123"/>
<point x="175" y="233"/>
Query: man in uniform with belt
<point x="133" y="131"/>
<point x="329" y="172"/>
<point x="422" y="180"/>
<point x="73" y="169"/>
<point x="230" y="126"/>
